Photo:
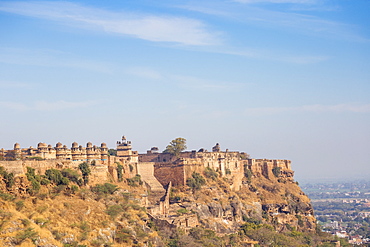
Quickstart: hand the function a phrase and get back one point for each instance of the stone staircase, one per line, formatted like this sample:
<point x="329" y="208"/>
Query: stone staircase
<point x="146" y="171"/>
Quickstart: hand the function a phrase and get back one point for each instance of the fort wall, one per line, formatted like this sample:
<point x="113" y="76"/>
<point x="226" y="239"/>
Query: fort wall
<point x="99" y="171"/>
<point x="168" y="172"/>
<point x="164" y="167"/>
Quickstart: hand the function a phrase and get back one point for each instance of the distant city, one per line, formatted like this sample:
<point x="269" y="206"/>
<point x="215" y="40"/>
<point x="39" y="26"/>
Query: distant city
<point x="342" y="209"/>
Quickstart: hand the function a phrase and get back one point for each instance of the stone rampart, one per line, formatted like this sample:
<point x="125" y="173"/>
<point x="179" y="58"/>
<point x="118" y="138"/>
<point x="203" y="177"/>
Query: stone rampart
<point x="99" y="171"/>
<point x="265" y="167"/>
<point x="169" y="172"/>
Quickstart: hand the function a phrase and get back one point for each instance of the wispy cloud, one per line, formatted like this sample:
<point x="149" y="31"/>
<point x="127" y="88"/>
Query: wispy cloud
<point x="340" y="108"/>
<point x="182" y="81"/>
<point x="45" y="106"/>
<point x="156" y="28"/>
<point x="274" y="56"/>
<point x="290" y="18"/>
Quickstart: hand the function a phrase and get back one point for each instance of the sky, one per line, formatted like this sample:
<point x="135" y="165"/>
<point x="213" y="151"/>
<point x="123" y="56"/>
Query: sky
<point x="278" y="79"/>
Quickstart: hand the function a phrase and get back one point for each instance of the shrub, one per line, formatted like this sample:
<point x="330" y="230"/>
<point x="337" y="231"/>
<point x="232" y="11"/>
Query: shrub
<point x="53" y="175"/>
<point x="72" y="175"/>
<point x="41" y="222"/>
<point x="30" y="174"/>
<point x="112" y="152"/>
<point x="6" y="197"/>
<point x="248" y="173"/>
<point x="35" y="158"/>
<point x="210" y="173"/>
<point x="74" y="189"/>
<point x="131" y="167"/>
<point x="135" y="181"/>
<point x="114" y="210"/>
<point x="26" y="222"/>
<point x="56" y="177"/>
<point x="41" y="209"/>
<point x="251" y="220"/>
<point x="84" y="226"/>
<point x="276" y="171"/>
<point x="42" y="196"/>
<point x="19" y="205"/>
<point x="8" y="179"/>
<point x="28" y="233"/>
<point x="205" y="236"/>
<point x="58" y="189"/>
<point x="2" y="170"/>
<point x="35" y="187"/>
<point x="119" y="172"/>
<point x="44" y="181"/>
<point x="123" y="236"/>
<point x="196" y="181"/>
<point x="105" y="189"/>
<point x="182" y="211"/>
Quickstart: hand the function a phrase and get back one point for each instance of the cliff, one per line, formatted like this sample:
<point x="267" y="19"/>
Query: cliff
<point x="223" y="205"/>
<point x="158" y="200"/>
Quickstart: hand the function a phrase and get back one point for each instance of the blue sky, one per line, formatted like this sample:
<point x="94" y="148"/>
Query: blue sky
<point x="285" y="79"/>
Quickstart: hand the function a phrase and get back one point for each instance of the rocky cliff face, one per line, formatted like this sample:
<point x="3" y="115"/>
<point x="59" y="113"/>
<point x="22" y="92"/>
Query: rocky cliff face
<point x="276" y="200"/>
<point x="220" y="203"/>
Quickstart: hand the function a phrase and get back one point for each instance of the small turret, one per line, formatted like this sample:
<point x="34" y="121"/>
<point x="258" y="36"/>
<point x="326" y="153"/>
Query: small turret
<point x="216" y="148"/>
<point x="17" y="146"/>
<point x="103" y="151"/>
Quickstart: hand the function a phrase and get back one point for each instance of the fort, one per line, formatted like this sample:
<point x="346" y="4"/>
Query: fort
<point x="153" y="166"/>
<point x="160" y="171"/>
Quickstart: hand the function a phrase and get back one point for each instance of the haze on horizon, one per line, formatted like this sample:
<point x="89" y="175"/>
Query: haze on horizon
<point x="279" y="79"/>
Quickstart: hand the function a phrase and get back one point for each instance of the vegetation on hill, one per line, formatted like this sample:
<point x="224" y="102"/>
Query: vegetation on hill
<point x="61" y="208"/>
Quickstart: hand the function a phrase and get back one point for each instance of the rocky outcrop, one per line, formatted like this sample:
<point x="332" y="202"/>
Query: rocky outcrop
<point x="273" y="199"/>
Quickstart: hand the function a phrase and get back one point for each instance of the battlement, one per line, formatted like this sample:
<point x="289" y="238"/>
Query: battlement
<point x="59" y="152"/>
<point x="167" y="167"/>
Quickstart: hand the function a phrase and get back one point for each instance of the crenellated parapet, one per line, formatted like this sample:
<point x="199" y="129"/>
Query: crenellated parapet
<point x="59" y="152"/>
<point x="231" y="165"/>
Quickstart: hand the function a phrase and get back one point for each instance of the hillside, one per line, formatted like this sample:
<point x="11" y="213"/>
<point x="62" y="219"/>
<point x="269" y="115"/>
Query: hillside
<point x="61" y="208"/>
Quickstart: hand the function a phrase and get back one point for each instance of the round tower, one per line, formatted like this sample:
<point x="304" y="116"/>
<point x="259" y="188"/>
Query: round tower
<point x="17" y="151"/>
<point x="59" y="150"/>
<point x="17" y="146"/>
<point x="89" y="151"/>
<point x="75" y="151"/>
<point x="103" y="151"/>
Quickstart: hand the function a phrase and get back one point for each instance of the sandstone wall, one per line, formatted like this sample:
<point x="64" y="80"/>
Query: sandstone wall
<point x="166" y="172"/>
<point x="99" y="171"/>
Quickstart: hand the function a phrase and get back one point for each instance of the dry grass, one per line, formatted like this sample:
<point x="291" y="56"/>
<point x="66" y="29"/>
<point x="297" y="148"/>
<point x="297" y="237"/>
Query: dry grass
<point x="58" y="219"/>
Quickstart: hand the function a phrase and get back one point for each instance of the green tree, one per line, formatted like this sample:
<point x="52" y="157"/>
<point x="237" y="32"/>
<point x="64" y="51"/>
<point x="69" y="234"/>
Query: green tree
<point x="55" y="176"/>
<point x="176" y="146"/>
<point x="8" y="178"/>
<point x="85" y="170"/>
<point x="72" y="175"/>
<point x="112" y="152"/>
<point x="119" y="171"/>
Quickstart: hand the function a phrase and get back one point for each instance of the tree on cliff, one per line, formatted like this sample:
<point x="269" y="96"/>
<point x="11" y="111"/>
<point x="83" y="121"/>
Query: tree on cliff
<point x="176" y="146"/>
<point x="85" y="170"/>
